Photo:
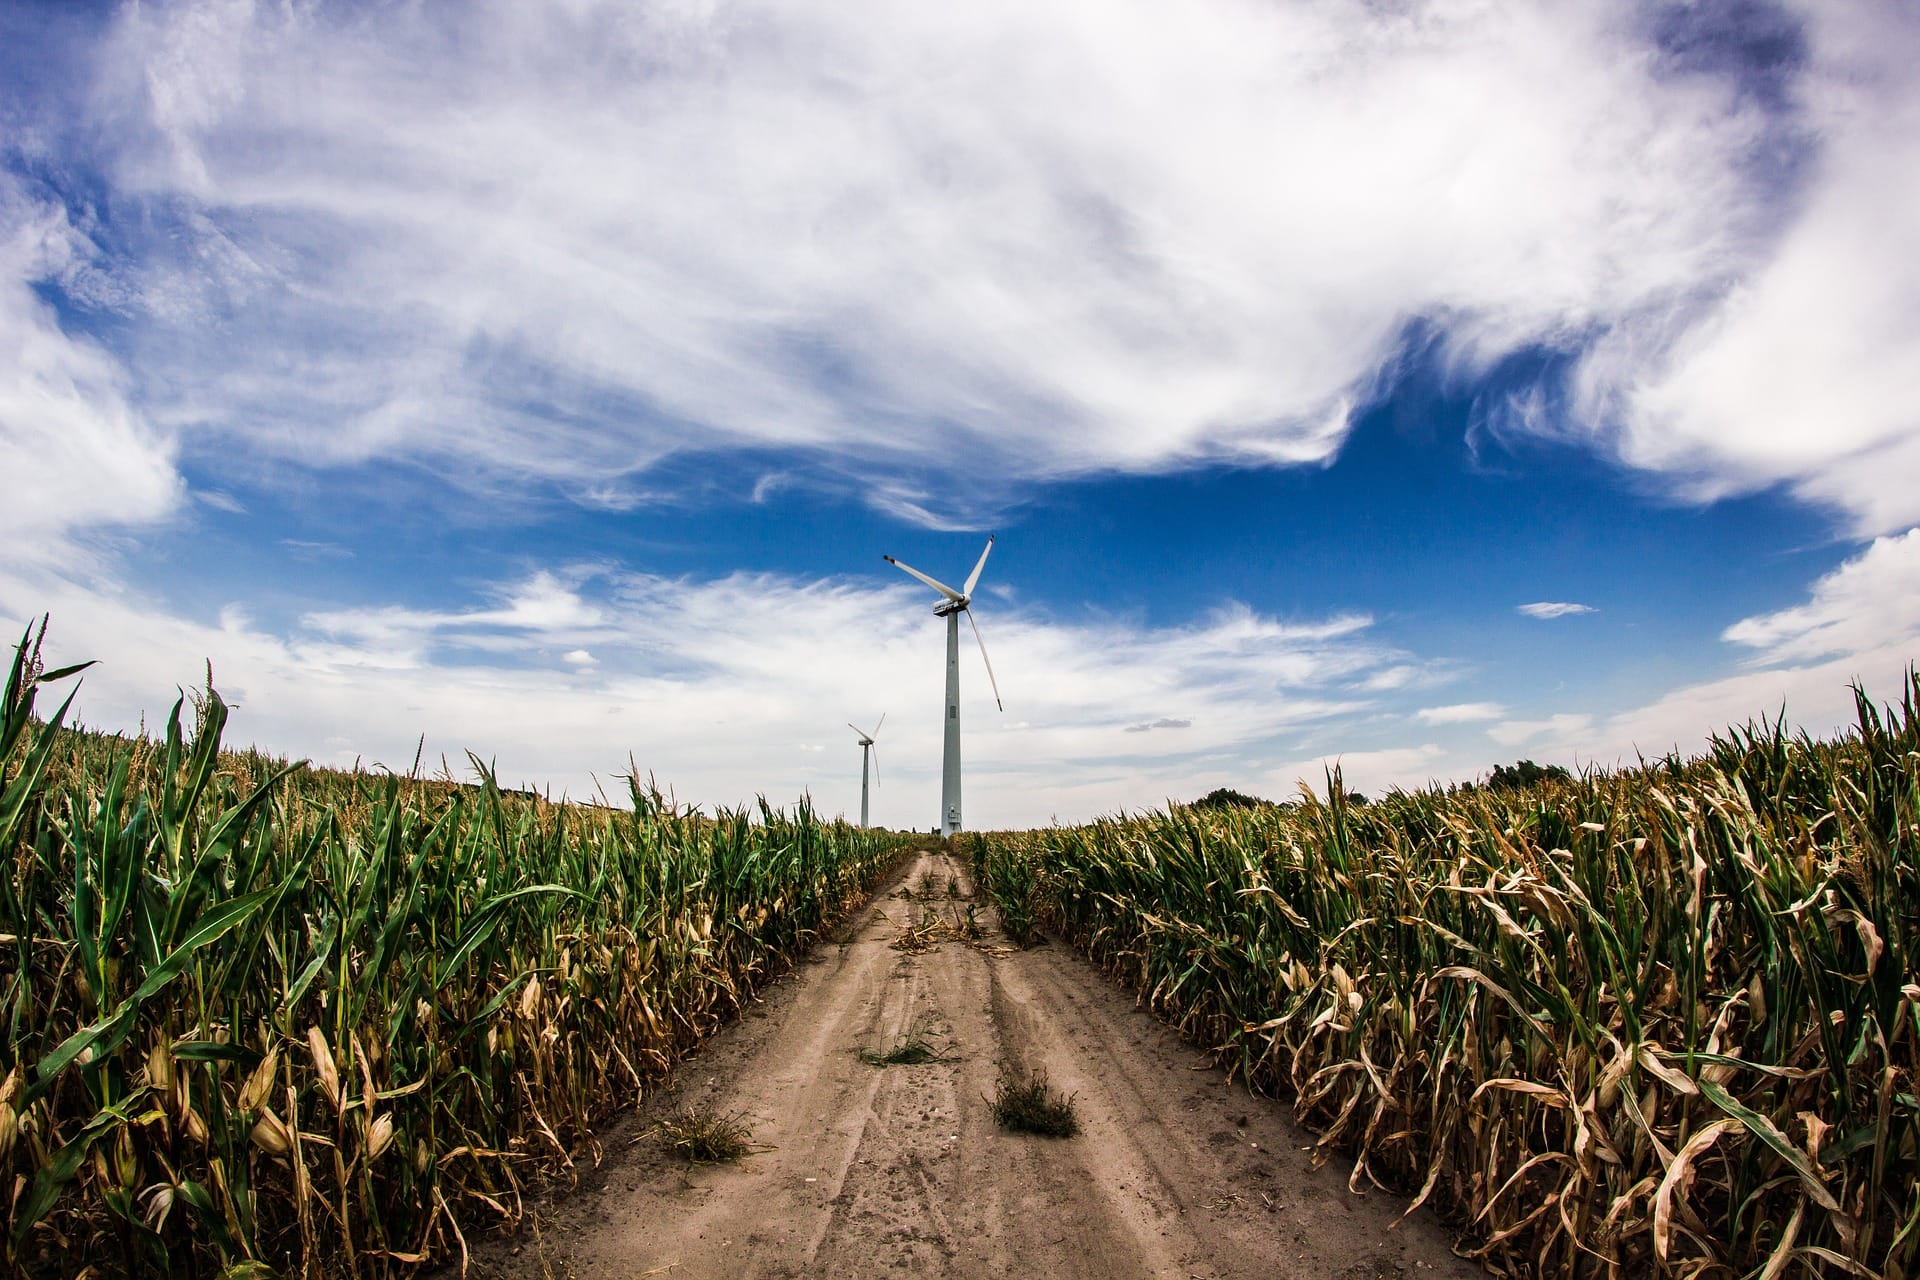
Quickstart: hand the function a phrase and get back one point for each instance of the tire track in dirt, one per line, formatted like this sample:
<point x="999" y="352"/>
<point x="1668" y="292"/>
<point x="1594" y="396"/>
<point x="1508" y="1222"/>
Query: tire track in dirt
<point x="902" y="1170"/>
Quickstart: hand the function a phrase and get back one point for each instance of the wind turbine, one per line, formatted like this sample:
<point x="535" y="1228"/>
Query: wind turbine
<point x="866" y="750"/>
<point x="951" y="607"/>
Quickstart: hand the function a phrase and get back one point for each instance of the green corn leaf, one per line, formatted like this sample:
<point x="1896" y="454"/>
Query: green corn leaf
<point x="214" y="1051"/>
<point x="24" y="790"/>
<point x="59" y="1171"/>
<point x="1763" y="1129"/>
<point x="483" y="922"/>
<point x="107" y="1032"/>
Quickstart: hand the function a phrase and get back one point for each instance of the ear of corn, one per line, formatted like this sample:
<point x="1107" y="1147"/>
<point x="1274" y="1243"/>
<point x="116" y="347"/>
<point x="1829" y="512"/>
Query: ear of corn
<point x="258" y="1016"/>
<point x="1658" y="1022"/>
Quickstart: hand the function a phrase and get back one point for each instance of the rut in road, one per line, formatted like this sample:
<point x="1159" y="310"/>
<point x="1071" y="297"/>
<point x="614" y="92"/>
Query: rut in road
<point x="901" y="1169"/>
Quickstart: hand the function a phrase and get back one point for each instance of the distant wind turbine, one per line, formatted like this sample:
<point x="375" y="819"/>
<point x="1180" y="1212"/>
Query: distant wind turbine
<point x="866" y="751"/>
<point x="951" y="607"/>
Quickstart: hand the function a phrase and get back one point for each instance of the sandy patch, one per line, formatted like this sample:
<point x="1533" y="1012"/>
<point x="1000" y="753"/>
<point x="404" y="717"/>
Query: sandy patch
<point x="901" y="1170"/>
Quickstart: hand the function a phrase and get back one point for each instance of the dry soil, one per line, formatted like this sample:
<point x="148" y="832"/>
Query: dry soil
<point x="901" y="1170"/>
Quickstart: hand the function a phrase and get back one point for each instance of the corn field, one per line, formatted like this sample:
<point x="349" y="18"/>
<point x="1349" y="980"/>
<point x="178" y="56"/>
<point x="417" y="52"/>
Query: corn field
<point x="264" y="1020"/>
<point x="1656" y="1022"/>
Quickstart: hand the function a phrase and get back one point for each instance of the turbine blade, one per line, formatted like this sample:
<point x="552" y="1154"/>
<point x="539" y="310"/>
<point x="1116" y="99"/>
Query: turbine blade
<point x="984" y="658"/>
<point x="857" y="729"/>
<point x="935" y="583"/>
<point x="876" y="765"/>
<point x="978" y="565"/>
<point x="876" y="728"/>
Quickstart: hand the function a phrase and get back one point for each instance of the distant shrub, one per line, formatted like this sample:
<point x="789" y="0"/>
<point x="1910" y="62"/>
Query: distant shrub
<point x="1228" y="798"/>
<point x="1514" y="777"/>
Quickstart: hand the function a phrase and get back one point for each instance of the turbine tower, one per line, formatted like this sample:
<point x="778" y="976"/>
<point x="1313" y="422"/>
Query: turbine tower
<point x="866" y="750"/>
<point x="952" y="605"/>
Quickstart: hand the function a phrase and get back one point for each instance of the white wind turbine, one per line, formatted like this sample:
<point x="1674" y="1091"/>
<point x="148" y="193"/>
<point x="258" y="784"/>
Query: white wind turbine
<point x="866" y="751"/>
<point x="951" y="607"/>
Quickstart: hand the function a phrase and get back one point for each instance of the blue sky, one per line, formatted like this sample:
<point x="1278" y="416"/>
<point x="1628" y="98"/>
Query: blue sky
<point x="1420" y="387"/>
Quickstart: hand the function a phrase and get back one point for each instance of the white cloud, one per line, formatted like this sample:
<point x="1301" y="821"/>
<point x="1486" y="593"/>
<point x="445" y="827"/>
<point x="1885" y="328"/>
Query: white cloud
<point x="306" y="549"/>
<point x="570" y="239"/>
<point x="1392" y="678"/>
<point x="1809" y="370"/>
<point x="1005" y="241"/>
<point x="1553" y="609"/>
<point x="75" y="454"/>
<point x="711" y="683"/>
<point x="1566" y="727"/>
<point x="768" y="484"/>
<point x="1368" y="772"/>
<point x="1867" y="604"/>
<point x="543" y="609"/>
<point x="1461" y="713"/>
<point x="220" y="500"/>
<point x="723" y="688"/>
<point x="1861" y="622"/>
<point x="564" y="241"/>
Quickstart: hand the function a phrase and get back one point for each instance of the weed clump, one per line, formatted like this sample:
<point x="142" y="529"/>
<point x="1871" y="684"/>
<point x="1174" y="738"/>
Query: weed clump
<point x="706" y="1137"/>
<point x="912" y="1052"/>
<point x="1034" y="1107"/>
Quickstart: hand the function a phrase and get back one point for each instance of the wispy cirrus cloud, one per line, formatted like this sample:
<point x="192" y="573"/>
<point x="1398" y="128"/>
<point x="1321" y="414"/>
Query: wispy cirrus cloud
<point x="895" y="239"/>
<point x="545" y="607"/>
<point x="1566" y="727"/>
<point x="893" y="243"/>
<point x="1553" y="609"/>
<point x="539" y="250"/>
<point x="715" y="684"/>
<point x="1871" y="602"/>
<point x="1859" y="624"/>
<point x="1164" y="722"/>
<point x="308" y="549"/>
<point x="220" y="500"/>
<point x="1806" y="372"/>
<point x="1461" y="713"/>
<point x="1369" y="772"/>
<point x="1407" y="675"/>
<point x="77" y="454"/>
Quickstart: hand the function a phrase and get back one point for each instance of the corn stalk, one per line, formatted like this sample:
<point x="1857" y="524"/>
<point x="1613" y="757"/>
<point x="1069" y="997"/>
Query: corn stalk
<point x="267" y="1019"/>
<point x="1656" y="1022"/>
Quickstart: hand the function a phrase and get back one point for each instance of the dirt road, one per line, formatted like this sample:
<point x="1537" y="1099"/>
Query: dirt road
<point x="902" y="1170"/>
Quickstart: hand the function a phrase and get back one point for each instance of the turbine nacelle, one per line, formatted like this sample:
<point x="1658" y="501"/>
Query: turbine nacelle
<point x="866" y="739"/>
<point x="958" y="602"/>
